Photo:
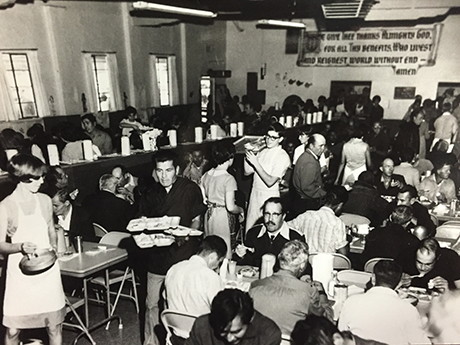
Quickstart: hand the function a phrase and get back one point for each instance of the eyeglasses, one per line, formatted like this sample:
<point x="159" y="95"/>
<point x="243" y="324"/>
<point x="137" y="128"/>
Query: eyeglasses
<point x="271" y="137"/>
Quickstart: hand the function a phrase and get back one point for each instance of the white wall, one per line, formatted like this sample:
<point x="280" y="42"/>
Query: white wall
<point x="62" y="30"/>
<point x="247" y="50"/>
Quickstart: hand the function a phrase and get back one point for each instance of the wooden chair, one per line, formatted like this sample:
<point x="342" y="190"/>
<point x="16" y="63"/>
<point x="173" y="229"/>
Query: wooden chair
<point x="341" y="262"/>
<point x="178" y="323"/>
<point x="369" y="265"/>
<point x="118" y="276"/>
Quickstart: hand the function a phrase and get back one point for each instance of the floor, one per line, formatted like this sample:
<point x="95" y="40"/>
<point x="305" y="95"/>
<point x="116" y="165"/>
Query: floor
<point x="129" y="335"/>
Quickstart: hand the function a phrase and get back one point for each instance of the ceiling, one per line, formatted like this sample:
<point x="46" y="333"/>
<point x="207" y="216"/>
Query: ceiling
<point x="377" y="11"/>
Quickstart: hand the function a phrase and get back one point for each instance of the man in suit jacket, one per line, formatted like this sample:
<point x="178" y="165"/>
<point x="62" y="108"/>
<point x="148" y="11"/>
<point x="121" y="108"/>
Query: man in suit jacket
<point x="72" y="218"/>
<point x="269" y="237"/>
<point x="388" y="183"/>
<point x="106" y="209"/>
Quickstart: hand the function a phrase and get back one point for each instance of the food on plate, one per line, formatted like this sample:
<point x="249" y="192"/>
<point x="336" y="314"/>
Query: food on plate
<point x="249" y="271"/>
<point x="147" y="241"/>
<point x="160" y="223"/>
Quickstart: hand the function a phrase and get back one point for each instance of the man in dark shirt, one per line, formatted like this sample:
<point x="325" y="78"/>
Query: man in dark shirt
<point x="269" y="237"/>
<point x="407" y="196"/>
<point x="170" y="196"/>
<point x="391" y="240"/>
<point x="388" y="183"/>
<point x="233" y="320"/>
<point x="436" y="267"/>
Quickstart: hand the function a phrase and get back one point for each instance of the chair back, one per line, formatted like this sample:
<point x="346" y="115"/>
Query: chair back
<point x="434" y="219"/>
<point x="354" y="219"/>
<point x="450" y="231"/>
<point x="114" y="237"/>
<point x="352" y="277"/>
<point x="99" y="230"/>
<point x="178" y="323"/>
<point x="341" y="262"/>
<point x="369" y="265"/>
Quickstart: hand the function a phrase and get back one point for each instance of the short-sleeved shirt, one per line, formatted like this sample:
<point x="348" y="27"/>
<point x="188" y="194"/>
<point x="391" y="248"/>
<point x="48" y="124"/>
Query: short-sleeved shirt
<point x="430" y="188"/>
<point x="103" y="141"/>
<point x="216" y="183"/>
<point x="323" y="230"/>
<point x="275" y="162"/>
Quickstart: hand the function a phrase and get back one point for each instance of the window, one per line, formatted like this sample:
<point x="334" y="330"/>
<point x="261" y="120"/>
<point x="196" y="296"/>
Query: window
<point x="162" y="67"/>
<point x="19" y="80"/>
<point x="163" y="74"/>
<point x="102" y="74"/>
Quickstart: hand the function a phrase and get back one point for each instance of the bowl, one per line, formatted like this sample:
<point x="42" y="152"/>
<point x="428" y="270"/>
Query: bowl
<point x="39" y="262"/>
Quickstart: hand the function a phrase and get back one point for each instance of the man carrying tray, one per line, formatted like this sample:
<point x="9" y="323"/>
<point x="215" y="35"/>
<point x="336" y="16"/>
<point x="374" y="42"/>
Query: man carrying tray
<point x="170" y="196"/>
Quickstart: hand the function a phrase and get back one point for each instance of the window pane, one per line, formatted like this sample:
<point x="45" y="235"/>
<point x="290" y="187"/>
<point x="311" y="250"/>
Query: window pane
<point x="102" y="82"/>
<point x="162" y="69"/>
<point x="20" y="81"/>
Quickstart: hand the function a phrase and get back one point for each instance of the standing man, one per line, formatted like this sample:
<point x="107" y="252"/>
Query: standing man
<point x="307" y="179"/>
<point x="268" y="167"/>
<point x="170" y="196"/>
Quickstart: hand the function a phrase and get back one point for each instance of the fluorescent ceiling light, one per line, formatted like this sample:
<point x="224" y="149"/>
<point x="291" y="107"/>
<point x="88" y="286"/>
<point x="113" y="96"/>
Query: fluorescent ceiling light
<point x="142" y="5"/>
<point x="281" y="23"/>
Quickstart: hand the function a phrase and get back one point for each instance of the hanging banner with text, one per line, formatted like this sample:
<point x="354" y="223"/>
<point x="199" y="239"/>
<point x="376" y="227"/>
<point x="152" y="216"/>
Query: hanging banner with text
<point x="404" y="49"/>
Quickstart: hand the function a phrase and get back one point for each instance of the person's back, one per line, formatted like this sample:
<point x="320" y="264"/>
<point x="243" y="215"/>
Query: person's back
<point x="380" y="314"/>
<point x="192" y="284"/>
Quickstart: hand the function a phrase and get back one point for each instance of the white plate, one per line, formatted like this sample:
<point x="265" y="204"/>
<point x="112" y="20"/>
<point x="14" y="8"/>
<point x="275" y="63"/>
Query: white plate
<point x="161" y="223"/>
<point x="181" y="231"/>
<point x="153" y="240"/>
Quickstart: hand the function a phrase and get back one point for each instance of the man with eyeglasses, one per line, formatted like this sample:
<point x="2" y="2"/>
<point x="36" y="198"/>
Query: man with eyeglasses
<point x="268" y="167"/>
<point x="269" y="237"/>
<point x="431" y="267"/>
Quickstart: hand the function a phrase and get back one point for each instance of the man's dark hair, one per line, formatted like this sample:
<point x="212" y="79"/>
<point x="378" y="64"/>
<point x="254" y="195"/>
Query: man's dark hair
<point x="415" y="112"/>
<point x="89" y="117"/>
<point x="430" y="245"/>
<point x="387" y="273"/>
<point x="446" y="106"/>
<point x="401" y="214"/>
<point x="278" y="128"/>
<point x="367" y="177"/>
<point x="314" y="330"/>
<point x="213" y="244"/>
<point x="130" y="110"/>
<point x="275" y="200"/>
<point x="164" y="156"/>
<point x="407" y="154"/>
<point x="409" y="189"/>
<point x="61" y="194"/>
<point x="222" y="152"/>
<point x="228" y="304"/>
<point x="376" y="98"/>
<point x="304" y="129"/>
<point x="337" y="195"/>
<point x="440" y="160"/>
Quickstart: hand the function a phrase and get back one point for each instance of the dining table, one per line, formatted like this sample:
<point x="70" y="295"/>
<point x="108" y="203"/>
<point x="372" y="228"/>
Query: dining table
<point x="93" y="259"/>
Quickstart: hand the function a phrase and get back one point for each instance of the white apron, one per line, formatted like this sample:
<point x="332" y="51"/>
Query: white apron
<point x="32" y="294"/>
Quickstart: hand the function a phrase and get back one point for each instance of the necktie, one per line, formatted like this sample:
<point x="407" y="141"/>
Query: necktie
<point x="272" y="238"/>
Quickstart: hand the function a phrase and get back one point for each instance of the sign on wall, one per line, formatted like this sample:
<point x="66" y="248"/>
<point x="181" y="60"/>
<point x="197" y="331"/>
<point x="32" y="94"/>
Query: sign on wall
<point x="404" y="49"/>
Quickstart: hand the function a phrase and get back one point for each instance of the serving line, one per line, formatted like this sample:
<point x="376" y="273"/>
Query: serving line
<point x="83" y="265"/>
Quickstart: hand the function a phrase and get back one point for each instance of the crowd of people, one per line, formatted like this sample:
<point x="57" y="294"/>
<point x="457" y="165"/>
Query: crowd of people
<point x="300" y="186"/>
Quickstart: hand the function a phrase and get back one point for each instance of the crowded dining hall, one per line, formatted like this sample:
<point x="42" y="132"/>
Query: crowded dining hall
<point x="246" y="172"/>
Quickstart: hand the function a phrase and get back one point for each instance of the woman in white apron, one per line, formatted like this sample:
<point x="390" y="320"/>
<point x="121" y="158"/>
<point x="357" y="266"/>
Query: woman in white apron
<point x="268" y="167"/>
<point x="31" y="301"/>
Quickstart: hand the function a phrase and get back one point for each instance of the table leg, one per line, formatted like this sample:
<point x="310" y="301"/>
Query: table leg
<point x="85" y="296"/>
<point x="107" y="290"/>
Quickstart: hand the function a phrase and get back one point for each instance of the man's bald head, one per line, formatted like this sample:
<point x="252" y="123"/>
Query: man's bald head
<point x="317" y="144"/>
